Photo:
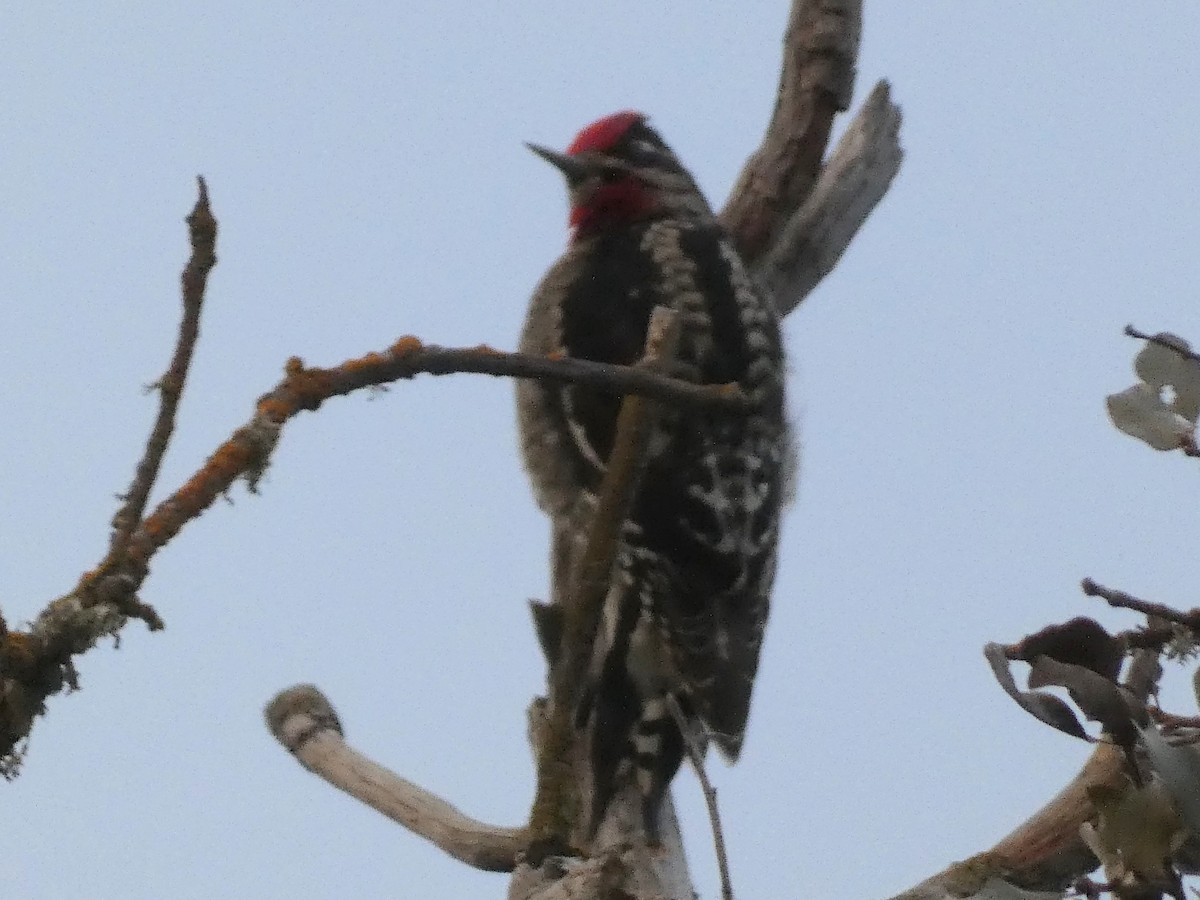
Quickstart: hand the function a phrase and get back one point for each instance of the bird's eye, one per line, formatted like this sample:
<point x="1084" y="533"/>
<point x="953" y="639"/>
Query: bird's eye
<point x="609" y="174"/>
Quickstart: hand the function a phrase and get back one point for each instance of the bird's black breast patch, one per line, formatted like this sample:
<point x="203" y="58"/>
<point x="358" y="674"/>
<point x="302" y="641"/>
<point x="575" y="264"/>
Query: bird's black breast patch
<point x="605" y="316"/>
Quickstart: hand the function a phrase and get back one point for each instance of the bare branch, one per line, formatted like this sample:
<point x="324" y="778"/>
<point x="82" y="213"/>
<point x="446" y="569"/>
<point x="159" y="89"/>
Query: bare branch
<point x="626" y="873"/>
<point x="1045" y="853"/>
<point x="852" y="183"/>
<point x="247" y="452"/>
<point x="303" y="721"/>
<point x="202" y="230"/>
<point x="791" y="217"/>
<point x="556" y="812"/>
<point x="1122" y="600"/>
<point x="37" y="664"/>
<point x="816" y="80"/>
<point x="695" y="751"/>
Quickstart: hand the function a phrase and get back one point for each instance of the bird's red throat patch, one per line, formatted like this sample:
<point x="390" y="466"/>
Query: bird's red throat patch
<point x="620" y="201"/>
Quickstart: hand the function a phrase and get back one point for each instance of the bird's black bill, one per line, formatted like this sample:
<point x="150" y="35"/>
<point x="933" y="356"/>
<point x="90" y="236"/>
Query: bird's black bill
<point x="573" y="169"/>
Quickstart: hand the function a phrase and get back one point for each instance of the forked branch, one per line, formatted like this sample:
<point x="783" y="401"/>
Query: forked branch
<point x="37" y="663"/>
<point x="816" y="80"/>
<point x="793" y="213"/>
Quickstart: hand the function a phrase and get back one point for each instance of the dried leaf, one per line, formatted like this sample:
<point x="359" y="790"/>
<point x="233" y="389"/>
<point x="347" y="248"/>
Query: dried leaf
<point x="1100" y="699"/>
<point x="1081" y="641"/>
<point x="1161" y="367"/>
<point x="1140" y="412"/>
<point x="1046" y="707"/>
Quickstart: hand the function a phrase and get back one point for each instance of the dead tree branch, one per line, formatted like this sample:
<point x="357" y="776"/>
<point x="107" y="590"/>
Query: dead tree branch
<point x="202" y="229"/>
<point x="816" y="80"/>
<point x="852" y="183"/>
<point x="791" y="215"/>
<point x="695" y="747"/>
<point x="557" y="807"/>
<point x="303" y="720"/>
<point x="37" y="663"/>
<point x="1121" y="600"/>
<point x="1045" y="853"/>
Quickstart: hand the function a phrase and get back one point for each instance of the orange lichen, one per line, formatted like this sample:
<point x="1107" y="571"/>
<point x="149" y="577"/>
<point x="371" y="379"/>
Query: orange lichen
<point x="231" y="457"/>
<point x="91" y="576"/>
<point x="485" y="349"/>
<point x="152" y="528"/>
<point x="274" y="408"/>
<point x="311" y="386"/>
<point x="293" y="367"/>
<point x="407" y="344"/>
<point x="556" y="355"/>
<point x="230" y="460"/>
<point x="370" y="361"/>
<point x="220" y="469"/>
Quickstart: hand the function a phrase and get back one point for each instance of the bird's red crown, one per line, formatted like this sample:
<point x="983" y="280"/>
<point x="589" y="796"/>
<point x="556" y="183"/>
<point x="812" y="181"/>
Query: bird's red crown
<point x="604" y="134"/>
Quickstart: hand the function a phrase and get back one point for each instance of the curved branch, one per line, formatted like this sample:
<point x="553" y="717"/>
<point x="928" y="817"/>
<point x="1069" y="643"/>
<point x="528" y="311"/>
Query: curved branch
<point x="1132" y="332"/>
<point x="247" y="452"/>
<point x="1189" y="619"/>
<point x="1045" y="853"/>
<point x="303" y="720"/>
<point x="37" y="664"/>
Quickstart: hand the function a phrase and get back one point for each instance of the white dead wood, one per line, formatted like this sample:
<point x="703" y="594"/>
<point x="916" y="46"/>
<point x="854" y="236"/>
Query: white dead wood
<point x="304" y="721"/>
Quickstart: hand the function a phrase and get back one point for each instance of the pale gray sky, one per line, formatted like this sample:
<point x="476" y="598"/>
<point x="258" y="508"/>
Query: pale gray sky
<point x="365" y="161"/>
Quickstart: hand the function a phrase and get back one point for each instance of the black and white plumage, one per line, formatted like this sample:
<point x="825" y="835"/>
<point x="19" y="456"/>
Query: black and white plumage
<point x="686" y="609"/>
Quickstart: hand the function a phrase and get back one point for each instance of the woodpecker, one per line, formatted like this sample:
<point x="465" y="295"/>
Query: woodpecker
<point x="684" y="616"/>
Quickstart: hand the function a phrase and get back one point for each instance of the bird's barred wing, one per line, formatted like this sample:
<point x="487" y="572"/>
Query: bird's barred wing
<point x="709" y="509"/>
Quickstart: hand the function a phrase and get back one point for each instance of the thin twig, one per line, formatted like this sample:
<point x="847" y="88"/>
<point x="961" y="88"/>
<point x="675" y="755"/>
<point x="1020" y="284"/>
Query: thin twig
<point x="409" y="357"/>
<point x="1162" y="342"/>
<point x="304" y="721"/>
<point x="246" y="452"/>
<point x="202" y="230"/>
<point x="1152" y="638"/>
<point x="1122" y="600"/>
<point x="556" y="809"/>
<point x="695" y="752"/>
